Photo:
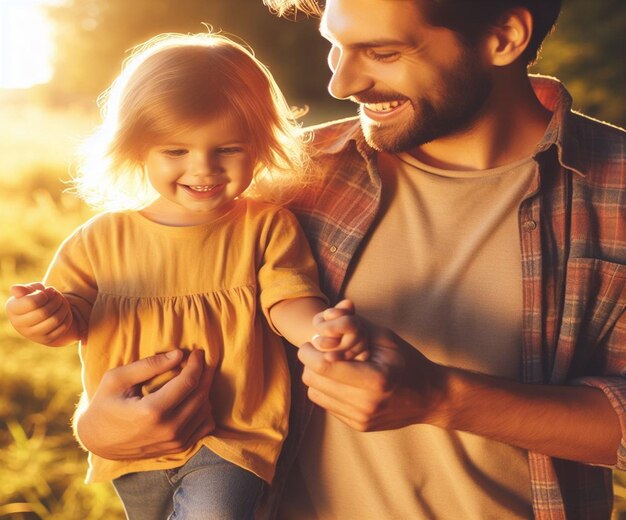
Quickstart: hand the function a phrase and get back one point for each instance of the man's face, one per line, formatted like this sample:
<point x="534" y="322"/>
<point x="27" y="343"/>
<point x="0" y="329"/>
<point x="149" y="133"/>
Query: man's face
<point x="414" y="82"/>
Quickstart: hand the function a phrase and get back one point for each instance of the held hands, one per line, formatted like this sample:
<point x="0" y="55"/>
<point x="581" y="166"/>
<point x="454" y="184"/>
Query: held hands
<point x="340" y="334"/>
<point x="395" y="387"/>
<point x="41" y="314"/>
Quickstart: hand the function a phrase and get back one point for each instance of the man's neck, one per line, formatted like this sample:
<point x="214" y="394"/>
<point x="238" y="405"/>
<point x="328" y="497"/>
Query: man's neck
<point x="508" y="129"/>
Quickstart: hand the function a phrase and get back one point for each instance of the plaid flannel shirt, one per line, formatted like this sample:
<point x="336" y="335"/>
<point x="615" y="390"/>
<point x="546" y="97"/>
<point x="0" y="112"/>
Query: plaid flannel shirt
<point x="572" y="227"/>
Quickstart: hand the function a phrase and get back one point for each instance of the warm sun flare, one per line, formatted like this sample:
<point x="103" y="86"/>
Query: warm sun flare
<point x="25" y="44"/>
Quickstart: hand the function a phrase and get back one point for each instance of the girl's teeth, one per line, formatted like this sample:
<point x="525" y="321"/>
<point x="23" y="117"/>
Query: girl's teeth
<point x="202" y="188"/>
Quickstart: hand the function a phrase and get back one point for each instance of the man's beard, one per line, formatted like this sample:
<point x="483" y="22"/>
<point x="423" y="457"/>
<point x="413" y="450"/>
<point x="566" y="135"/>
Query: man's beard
<point x="466" y="88"/>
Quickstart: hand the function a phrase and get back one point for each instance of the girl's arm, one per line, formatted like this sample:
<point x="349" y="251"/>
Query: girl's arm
<point x="336" y="330"/>
<point x="293" y="318"/>
<point x="42" y="314"/>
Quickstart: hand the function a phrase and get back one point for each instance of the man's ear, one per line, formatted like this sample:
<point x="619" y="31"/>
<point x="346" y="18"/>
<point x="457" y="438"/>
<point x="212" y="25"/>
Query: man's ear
<point x="509" y="37"/>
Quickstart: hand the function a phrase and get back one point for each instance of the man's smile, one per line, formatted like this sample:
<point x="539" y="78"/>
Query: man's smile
<point x="385" y="106"/>
<point x="383" y="109"/>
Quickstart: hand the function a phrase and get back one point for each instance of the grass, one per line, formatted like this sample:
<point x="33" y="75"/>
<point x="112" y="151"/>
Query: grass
<point x="42" y="469"/>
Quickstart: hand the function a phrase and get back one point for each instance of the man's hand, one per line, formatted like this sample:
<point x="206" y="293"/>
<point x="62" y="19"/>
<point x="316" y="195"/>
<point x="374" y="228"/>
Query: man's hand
<point x="41" y="314"/>
<point x="374" y="394"/>
<point x="119" y="424"/>
<point x="397" y="386"/>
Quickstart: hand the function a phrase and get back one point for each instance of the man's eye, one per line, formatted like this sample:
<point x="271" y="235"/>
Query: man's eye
<point x="383" y="56"/>
<point x="174" y="152"/>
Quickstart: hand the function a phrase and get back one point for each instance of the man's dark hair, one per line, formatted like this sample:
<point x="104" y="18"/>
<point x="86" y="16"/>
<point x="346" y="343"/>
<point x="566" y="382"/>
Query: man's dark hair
<point x="468" y="18"/>
<point x="471" y="19"/>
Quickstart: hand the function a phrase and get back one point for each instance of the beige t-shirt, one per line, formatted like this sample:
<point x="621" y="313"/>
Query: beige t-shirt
<point x="441" y="268"/>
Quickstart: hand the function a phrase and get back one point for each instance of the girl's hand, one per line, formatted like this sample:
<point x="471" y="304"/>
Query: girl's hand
<point x="40" y="314"/>
<point x="341" y="334"/>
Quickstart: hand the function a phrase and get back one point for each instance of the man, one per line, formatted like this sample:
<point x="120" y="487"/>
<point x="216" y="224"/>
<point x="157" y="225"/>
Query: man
<point x="472" y="213"/>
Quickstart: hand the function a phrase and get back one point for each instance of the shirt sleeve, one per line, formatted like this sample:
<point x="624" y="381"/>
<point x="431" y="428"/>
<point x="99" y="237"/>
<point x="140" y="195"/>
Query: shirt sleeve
<point x="287" y="269"/>
<point x="614" y="383"/>
<point x="71" y="273"/>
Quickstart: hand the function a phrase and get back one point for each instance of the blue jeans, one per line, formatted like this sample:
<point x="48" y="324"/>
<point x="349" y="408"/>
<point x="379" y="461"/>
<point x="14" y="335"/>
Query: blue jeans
<point x="205" y="487"/>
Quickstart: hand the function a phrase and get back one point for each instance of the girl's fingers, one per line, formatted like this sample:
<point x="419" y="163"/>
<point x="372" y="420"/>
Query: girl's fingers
<point x="30" y="302"/>
<point x="343" y="308"/>
<point x="20" y="290"/>
<point x="46" y="328"/>
<point x="336" y="327"/>
<point x="43" y="308"/>
<point x="347" y="328"/>
<point x="358" y="352"/>
<point x="325" y="342"/>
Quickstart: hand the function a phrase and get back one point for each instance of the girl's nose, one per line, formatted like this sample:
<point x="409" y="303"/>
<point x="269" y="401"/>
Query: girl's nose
<point x="207" y="165"/>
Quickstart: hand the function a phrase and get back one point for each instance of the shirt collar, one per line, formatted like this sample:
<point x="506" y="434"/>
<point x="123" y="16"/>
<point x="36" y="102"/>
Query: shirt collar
<point x="334" y="137"/>
<point x="562" y="132"/>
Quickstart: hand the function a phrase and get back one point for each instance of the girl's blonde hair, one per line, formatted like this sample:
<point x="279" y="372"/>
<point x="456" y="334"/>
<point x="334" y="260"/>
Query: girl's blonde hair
<point x="173" y="82"/>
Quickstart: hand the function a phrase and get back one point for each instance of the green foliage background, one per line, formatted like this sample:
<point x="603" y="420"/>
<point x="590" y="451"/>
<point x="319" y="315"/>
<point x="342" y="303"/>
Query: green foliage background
<point x="587" y="53"/>
<point x="41" y="467"/>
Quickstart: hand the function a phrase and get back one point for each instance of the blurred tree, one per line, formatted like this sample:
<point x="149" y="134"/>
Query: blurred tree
<point x="93" y="36"/>
<point x="586" y="52"/>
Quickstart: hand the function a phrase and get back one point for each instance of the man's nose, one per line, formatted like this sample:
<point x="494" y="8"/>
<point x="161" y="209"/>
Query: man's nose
<point x="348" y="78"/>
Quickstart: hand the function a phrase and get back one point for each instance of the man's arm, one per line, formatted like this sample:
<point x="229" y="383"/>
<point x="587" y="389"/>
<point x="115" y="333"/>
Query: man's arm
<point x="119" y="424"/>
<point x="399" y="387"/>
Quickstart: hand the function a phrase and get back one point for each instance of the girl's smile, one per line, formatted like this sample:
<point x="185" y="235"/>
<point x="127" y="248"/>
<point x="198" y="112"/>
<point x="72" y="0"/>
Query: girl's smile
<point x="203" y="188"/>
<point x="203" y="192"/>
<point x="199" y="172"/>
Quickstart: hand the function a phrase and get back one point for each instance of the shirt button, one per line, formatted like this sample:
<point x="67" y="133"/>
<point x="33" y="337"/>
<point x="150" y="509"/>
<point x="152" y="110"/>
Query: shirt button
<point x="333" y="249"/>
<point x="529" y="225"/>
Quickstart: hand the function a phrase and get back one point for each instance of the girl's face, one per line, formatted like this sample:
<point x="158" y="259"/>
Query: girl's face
<point x="198" y="172"/>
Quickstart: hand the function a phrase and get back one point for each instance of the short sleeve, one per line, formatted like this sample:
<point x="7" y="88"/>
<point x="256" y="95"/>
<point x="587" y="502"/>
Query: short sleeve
<point x="71" y="273"/>
<point x="614" y="384"/>
<point x="287" y="269"/>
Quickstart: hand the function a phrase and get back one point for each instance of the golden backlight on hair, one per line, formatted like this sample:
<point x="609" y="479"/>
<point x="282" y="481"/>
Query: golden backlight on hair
<point x="176" y="81"/>
<point x="283" y="7"/>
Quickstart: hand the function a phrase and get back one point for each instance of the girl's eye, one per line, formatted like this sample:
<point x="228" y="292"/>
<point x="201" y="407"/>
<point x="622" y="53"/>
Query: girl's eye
<point x="174" y="152"/>
<point x="383" y="56"/>
<point x="229" y="150"/>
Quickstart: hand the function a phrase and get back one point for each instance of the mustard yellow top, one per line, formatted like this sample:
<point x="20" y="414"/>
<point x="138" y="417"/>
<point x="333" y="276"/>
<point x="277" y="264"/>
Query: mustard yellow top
<point x="144" y="288"/>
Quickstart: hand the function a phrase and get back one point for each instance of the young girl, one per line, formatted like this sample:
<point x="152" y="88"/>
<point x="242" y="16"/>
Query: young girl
<point x="192" y="263"/>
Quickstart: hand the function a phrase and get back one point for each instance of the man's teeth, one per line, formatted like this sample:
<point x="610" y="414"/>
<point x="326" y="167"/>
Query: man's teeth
<point x="383" y="107"/>
<point x="203" y="188"/>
